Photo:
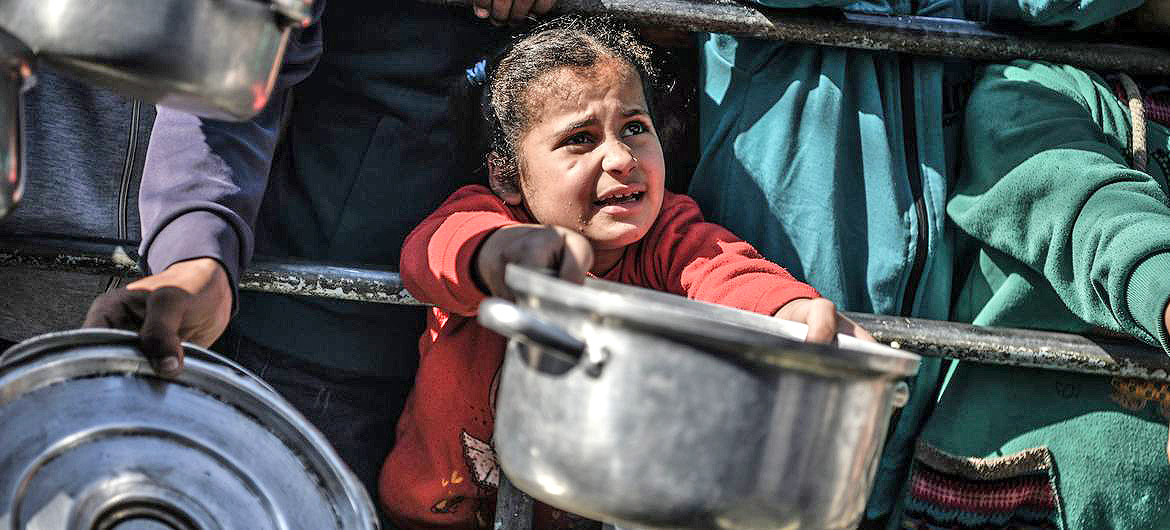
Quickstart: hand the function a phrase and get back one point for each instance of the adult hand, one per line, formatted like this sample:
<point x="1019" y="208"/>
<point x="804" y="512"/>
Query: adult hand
<point x="510" y="11"/>
<point x="822" y="319"/>
<point x="189" y="301"/>
<point x="564" y="251"/>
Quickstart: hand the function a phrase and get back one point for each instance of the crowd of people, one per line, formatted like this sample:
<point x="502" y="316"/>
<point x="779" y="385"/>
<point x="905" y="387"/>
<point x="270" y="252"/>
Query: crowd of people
<point x="1025" y="194"/>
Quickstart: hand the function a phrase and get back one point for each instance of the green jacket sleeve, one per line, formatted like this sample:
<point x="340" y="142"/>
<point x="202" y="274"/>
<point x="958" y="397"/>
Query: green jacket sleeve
<point x="1045" y="179"/>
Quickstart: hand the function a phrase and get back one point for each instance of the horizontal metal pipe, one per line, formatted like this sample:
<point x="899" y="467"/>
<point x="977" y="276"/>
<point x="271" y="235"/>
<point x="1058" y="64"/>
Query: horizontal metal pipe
<point x="1002" y="346"/>
<point x="929" y="36"/>
<point x="120" y="258"/>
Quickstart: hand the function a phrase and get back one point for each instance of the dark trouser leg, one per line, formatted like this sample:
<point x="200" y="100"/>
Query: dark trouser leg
<point x="356" y="413"/>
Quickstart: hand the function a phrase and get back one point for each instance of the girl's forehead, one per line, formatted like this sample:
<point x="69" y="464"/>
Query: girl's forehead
<point x="570" y="87"/>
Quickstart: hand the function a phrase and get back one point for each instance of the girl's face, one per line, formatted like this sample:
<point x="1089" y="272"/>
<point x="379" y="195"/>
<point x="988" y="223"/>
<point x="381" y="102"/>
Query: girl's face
<point x="590" y="160"/>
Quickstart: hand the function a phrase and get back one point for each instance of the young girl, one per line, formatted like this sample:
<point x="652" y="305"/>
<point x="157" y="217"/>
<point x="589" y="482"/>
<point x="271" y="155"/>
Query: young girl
<point x="577" y="174"/>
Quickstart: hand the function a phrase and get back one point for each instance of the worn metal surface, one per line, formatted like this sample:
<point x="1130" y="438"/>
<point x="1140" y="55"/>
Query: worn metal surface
<point x="213" y="448"/>
<point x="915" y="35"/>
<point x="1013" y="347"/>
<point x="1019" y="347"/>
<point x="513" y="507"/>
<point x="326" y="281"/>
<point x="215" y="58"/>
<point x="120" y="259"/>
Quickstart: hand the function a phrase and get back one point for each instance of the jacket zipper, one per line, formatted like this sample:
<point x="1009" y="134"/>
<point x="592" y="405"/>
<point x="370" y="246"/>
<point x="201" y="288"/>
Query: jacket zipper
<point x="914" y="172"/>
<point x="123" y="220"/>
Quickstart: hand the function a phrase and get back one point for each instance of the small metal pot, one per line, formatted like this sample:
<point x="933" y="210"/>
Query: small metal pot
<point x="215" y="58"/>
<point x="15" y="78"/>
<point x="647" y="409"/>
<point x="94" y="441"/>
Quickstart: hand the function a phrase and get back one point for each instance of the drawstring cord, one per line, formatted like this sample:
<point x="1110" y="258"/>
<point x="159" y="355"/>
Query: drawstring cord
<point x="1137" y="117"/>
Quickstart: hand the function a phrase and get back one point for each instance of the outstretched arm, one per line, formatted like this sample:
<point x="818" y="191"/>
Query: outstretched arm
<point x="201" y="189"/>
<point x="458" y="254"/>
<point x="705" y="261"/>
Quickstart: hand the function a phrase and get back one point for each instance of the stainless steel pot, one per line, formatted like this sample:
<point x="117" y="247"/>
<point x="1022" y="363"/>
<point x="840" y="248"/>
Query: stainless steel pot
<point x="216" y="58"/>
<point x="94" y="441"/>
<point x="15" y="78"/>
<point x="647" y="409"/>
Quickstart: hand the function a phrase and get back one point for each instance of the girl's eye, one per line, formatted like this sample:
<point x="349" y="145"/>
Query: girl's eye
<point x="579" y="138"/>
<point x="634" y="127"/>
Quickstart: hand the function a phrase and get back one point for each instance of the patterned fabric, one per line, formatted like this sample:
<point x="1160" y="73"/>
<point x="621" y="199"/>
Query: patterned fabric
<point x="1017" y="491"/>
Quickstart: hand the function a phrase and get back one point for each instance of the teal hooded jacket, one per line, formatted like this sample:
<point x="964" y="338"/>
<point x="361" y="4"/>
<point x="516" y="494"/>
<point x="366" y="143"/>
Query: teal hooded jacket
<point x="835" y="163"/>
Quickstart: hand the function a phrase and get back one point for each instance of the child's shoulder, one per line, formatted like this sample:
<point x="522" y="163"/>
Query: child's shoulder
<point x="676" y="206"/>
<point x="473" y="196"/>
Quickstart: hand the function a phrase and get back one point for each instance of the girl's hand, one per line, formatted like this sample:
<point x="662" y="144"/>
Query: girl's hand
<point x="510" y="11"/>
<point x="564" y="251"/>
<point x="822" y="319"/>
<point x="1166" y="318"/>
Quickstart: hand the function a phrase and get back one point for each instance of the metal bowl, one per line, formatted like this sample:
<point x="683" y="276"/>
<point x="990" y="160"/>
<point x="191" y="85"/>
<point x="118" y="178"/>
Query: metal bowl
<point x="215" y="58"/>
<point x="93" y="440"/>
<point x="15" y="78"/>
<point x="647" y="409"/>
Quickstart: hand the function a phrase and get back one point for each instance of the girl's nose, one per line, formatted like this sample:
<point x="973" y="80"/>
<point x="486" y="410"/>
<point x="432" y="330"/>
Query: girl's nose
<point x="619" y="159"/>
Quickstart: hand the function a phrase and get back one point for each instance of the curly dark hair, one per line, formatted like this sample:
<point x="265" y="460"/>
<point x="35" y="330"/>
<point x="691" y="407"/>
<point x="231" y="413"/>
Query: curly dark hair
<point x="567" y="41"/>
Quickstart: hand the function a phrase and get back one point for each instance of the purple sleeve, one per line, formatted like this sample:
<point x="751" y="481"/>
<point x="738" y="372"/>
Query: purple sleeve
<point x="204" y="179"/>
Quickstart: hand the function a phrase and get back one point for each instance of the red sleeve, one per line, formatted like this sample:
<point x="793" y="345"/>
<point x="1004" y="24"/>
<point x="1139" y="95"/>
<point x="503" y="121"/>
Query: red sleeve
<point x="704" y="261"/>
<point x="436" y="256"/>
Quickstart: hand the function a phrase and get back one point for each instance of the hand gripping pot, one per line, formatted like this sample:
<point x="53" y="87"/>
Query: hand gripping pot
<point x="214" y="58"/>
<point x="651" y="410"/>
<point x="94" y="441"/>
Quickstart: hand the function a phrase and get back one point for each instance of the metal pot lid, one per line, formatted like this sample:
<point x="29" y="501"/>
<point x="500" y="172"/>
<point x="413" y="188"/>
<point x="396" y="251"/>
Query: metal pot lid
<point x="94" y="440"/>
<point x="727" y="331"/>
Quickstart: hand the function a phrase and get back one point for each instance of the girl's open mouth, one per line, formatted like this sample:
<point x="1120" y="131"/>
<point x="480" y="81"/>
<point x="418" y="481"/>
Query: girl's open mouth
<point x="620" y="199"/>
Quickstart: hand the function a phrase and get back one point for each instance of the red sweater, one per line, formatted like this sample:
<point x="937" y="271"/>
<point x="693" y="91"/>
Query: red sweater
<point x="442" y="471"/>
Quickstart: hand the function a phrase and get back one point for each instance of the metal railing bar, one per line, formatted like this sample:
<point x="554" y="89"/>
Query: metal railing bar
<point x="1001" y="346"/>
<point x="915" y="35"/>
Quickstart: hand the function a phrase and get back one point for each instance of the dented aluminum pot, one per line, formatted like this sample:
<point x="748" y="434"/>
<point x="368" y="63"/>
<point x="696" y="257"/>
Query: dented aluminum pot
<point x="650" y="410"/>
<point x="94" y="440"/>
<point x="15" y="78"/>
<point x="215" y="58"/>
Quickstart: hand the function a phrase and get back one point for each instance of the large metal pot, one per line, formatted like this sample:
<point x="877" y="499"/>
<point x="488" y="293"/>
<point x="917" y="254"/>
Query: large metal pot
<point x="217" y="58"/>
<point x="94" y="441"/>
<point x="644" y="408"/>
<point x="15" y="78"/>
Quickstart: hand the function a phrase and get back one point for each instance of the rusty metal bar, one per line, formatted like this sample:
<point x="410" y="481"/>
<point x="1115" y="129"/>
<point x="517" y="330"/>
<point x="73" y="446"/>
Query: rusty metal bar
<point x="104" y="257"/>
<point x="929" y="36"/>
<point x="513" y="507"/>
<point x="1002" y="346"/>
<point x="1025" y="348"/>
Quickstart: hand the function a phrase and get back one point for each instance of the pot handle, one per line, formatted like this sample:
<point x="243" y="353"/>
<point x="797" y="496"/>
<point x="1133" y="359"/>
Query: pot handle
<point x="901" y="394"/>
<point x="507" y="319"/>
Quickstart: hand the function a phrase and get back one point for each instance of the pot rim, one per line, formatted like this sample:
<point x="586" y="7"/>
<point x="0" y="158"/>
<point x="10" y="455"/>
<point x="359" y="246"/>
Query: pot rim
<point x="726" y="331"/>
